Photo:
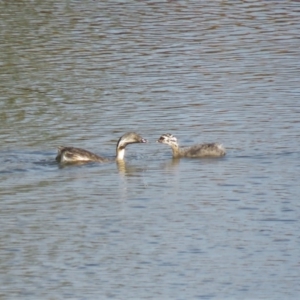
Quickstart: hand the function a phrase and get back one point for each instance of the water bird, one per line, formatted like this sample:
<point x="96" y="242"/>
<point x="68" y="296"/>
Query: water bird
<point x="200" y="150"/>
<point x="73" y="155"/>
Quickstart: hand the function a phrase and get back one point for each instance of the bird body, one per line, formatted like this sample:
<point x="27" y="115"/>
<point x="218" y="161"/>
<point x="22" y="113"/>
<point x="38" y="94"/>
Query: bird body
<point x="73" y="155"/>
<point x="200" y="150"/>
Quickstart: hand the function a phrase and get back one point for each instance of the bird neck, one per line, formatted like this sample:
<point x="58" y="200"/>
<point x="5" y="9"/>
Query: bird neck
<point x="175" y="150"/>
<point x="120" y="153"/>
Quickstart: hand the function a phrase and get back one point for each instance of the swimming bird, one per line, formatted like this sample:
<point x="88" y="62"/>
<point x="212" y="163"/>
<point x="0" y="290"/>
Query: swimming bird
<point x="73" y="155"/>
<point x="200" y="150"/>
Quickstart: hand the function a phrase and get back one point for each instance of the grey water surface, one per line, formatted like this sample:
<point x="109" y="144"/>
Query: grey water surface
<point x="82" y="73"/>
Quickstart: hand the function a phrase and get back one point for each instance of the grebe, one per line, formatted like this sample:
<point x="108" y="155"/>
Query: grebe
<point x="72" y="155"/>
<point x="201" y="150"/>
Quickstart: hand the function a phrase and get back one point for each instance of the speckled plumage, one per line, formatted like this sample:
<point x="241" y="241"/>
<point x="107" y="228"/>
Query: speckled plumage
<point x="201" y="150"/>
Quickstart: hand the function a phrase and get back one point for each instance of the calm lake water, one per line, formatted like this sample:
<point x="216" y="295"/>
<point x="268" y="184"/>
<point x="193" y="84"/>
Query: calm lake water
<point x="84" y="73"/>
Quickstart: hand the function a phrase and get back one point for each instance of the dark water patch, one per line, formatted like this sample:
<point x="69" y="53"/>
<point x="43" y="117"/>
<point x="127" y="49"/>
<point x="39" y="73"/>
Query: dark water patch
<point x="231" y="185"/>
<point x="281" y="240"/>
<point x="248" y="208"/>
<point x="206" y="296"/>
<point x="138" y="206"/>
<point x="287" y="210"/>
<point x="278" y="220"/>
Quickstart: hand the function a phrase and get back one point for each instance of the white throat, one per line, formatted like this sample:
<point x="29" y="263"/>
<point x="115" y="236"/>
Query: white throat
<point x="120" y="154"/>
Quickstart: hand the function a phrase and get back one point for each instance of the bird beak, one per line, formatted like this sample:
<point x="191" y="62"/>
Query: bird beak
<point x="143" y="141"/>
